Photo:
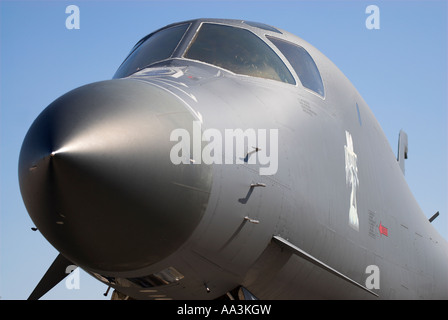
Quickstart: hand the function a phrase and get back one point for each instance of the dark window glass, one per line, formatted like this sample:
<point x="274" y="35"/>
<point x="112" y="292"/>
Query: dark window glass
<point x="302" y="63"/>
<point x="239" y="51"/>
<point x="158" y="46"/>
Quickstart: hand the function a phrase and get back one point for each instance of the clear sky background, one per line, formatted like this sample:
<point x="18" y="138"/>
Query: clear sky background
<point x="400" y="70"/>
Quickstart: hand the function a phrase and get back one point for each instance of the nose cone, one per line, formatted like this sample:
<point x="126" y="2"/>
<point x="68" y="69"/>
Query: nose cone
<point x="97" y="180"/>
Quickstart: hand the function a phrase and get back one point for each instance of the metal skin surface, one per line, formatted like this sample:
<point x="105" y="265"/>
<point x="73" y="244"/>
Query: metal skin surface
<point x="96" y="178"/>
<point x="95" y="182"/>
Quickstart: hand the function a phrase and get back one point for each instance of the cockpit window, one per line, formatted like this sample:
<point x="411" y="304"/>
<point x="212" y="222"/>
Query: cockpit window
<point x="239" y="51"/>
<point x="302" y="63"/>
<point x="156" y="47"/>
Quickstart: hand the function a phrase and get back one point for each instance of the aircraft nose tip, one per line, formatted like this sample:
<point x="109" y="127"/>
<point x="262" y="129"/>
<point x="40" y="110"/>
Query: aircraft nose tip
<point x="96" y="177"/>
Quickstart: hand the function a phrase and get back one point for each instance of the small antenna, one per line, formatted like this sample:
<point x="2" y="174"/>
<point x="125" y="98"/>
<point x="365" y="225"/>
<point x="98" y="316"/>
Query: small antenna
<point x="107" y="291"/>
<point x="402" y="149"/>
<point x="434" y="216"/>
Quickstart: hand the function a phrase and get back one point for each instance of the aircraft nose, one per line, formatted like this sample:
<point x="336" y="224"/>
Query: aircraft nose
<point x="96" y="177"/>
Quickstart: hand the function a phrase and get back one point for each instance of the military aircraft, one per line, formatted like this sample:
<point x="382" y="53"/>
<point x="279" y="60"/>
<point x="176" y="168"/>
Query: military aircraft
<point x="227" y="159"/>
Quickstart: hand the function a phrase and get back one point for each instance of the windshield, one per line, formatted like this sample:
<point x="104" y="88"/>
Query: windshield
<point x="239" y="51"/>
<point x="302" y="63"/>
<point x="156" y="47"/>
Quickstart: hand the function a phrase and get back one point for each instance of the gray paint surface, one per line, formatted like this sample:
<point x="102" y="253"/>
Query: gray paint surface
<point x="120" y="209"/>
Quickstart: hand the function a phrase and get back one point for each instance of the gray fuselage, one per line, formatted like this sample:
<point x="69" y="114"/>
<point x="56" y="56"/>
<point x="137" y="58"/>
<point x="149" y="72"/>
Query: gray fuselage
<point x="325" y="180"/>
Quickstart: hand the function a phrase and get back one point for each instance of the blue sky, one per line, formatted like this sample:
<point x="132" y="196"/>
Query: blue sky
<point x="400" y="70"/>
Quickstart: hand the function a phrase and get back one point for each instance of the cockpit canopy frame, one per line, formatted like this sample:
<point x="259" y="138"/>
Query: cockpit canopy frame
<point x="231" y="47"/>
